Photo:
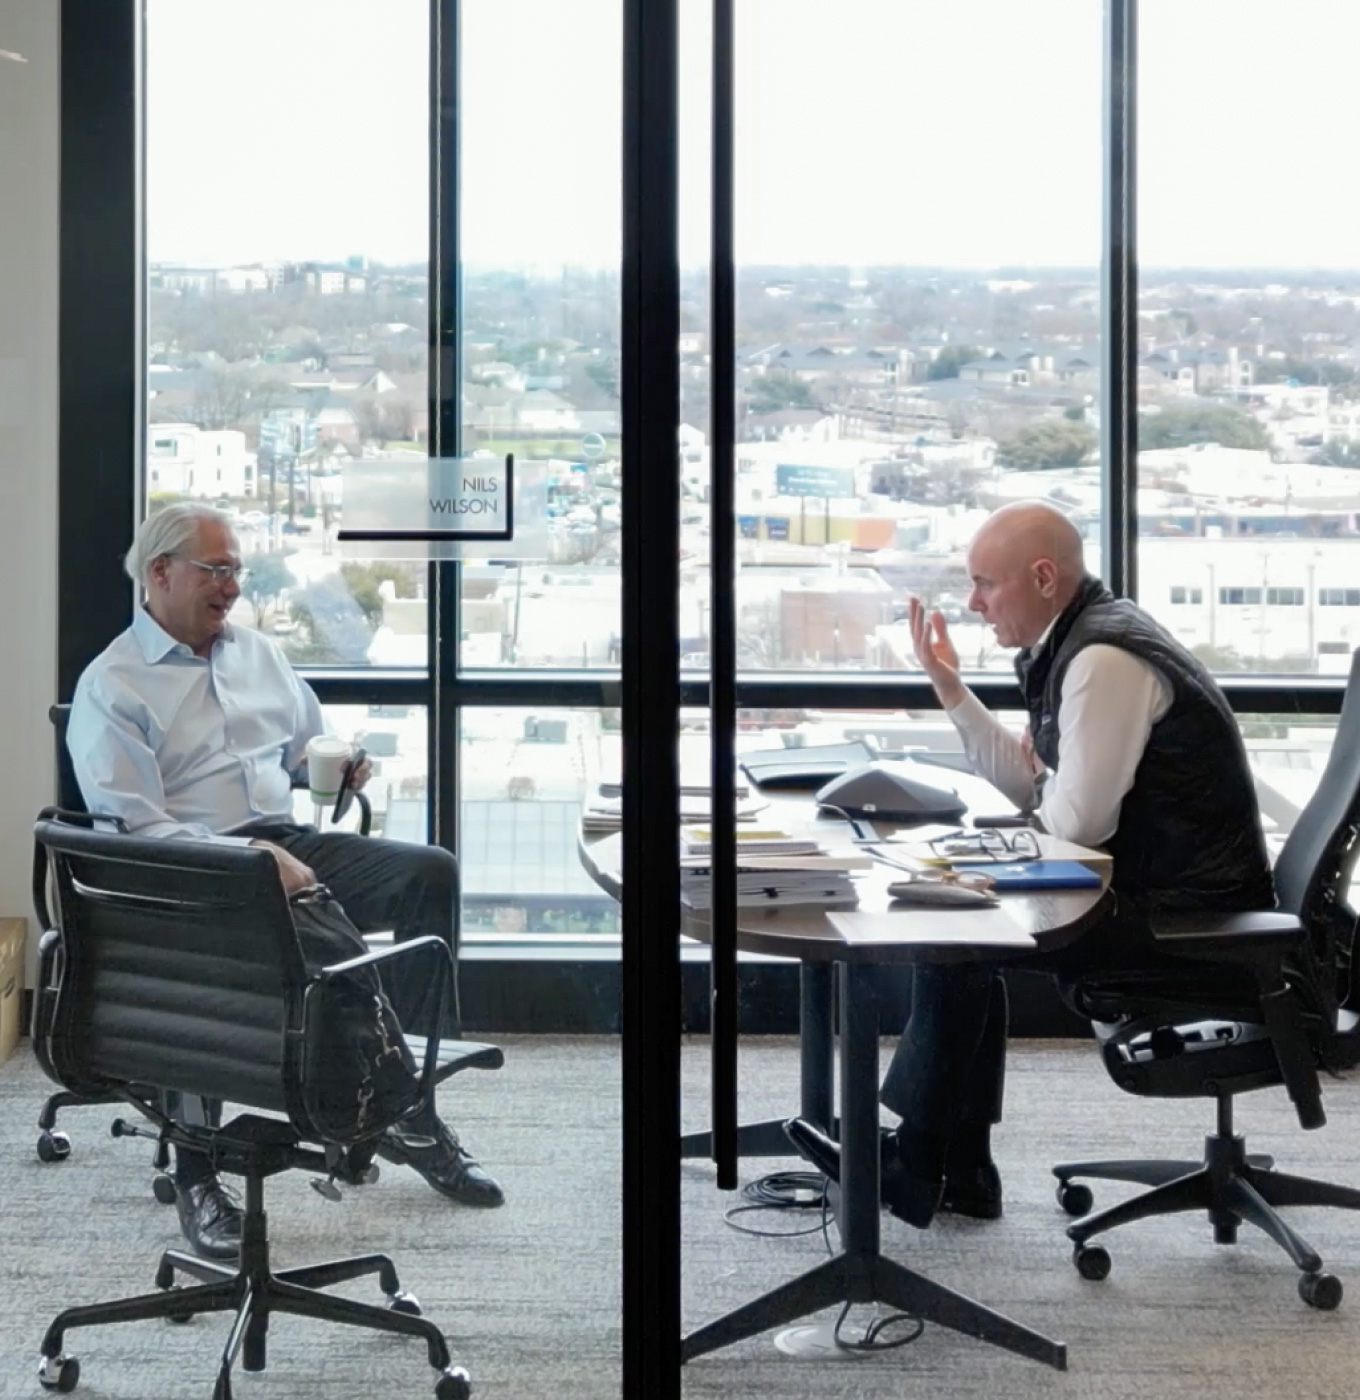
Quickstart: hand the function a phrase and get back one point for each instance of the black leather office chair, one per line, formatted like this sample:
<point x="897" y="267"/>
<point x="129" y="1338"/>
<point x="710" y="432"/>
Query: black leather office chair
<point x="1247" y="1001"/>
<point x="177" y="967"/>
<point x="54" y="1145"/>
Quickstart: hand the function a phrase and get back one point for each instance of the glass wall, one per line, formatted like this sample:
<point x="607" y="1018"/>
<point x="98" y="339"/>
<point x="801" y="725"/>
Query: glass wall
<point x="526" y="777"/>
<point x="1249" y="318"/>
<point x="539" y="226"/>
<point x="286" y="319"/>
<point x="918" y="309"/>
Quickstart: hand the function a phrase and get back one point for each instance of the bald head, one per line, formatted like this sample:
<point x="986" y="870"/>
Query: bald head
<point x="1026" y="565"/>
<point x="1026" y="532"/>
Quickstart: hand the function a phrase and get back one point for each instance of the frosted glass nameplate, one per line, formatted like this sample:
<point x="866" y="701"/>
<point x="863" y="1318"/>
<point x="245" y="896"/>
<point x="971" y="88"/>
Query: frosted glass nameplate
<point x="983" y="928"/>
<point x="446" y="508"/>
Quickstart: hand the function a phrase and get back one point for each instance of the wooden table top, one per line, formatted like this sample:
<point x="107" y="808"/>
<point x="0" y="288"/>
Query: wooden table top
<point x="1052" y="917"/>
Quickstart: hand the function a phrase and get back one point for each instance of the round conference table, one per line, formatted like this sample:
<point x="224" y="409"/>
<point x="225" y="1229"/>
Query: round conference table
<point x="882" y="931"/>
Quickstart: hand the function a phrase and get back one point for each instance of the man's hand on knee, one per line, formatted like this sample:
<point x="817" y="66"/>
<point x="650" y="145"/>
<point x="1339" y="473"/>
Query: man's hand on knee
<point x="292" y="872"/>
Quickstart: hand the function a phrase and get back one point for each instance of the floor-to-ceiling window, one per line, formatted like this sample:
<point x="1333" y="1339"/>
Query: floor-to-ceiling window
<point x="1248" y="377"/>
<point x="920" y="338"/>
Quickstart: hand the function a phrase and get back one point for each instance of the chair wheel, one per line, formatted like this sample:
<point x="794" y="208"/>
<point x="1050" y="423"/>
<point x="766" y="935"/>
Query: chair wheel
<point x="163" y="1188"/>
<point x="1075" y="1199"/>
<point x="53" y="1147"/>
<point x="404" y="1303"/>
<point x="1321" y="1291"/>
<point x="1092" y="1261"/>
<point x="59" y="1373"/>
<point x="453" y="1384"/>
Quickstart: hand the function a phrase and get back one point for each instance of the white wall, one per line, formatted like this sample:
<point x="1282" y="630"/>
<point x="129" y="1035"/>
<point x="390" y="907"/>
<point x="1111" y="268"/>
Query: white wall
<point x="29" y="146"/>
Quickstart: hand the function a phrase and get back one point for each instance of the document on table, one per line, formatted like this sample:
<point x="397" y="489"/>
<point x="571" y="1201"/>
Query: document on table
<point x="994" y="927"/>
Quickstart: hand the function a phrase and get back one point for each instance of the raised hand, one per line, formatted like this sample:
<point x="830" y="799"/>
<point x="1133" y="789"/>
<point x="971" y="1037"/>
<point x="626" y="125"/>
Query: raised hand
<point x="936" y="652"/>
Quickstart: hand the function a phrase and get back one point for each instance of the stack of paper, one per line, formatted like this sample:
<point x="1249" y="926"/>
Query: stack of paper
<point x="773" y="869"/>
<point x="689" y="787"/>
<point x="605" y="813"/>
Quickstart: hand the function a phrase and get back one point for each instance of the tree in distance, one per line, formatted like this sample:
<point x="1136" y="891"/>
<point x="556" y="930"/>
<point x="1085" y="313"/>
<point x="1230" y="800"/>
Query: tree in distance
<point x="946" y="364"/>
<point x="269" y="576"/>
<point x="1183" y="427"/>
<point x="1049" y="444"/>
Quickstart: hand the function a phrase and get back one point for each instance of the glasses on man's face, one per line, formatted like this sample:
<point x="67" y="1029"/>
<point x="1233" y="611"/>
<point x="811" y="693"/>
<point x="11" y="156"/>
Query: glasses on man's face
<point x="221" y="573"/>
<point x="989" y="844"/>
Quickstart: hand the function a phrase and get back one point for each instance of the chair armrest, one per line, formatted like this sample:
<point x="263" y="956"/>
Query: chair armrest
<point x="365" y="806"/>
<point x="1259" y="939"/>
<point x="411" y="945"/>
<point x="1200" y="934"/>
<point x="430" y="947"/>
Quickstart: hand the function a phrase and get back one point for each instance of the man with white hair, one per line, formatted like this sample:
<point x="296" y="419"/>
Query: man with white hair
<point x="192" y="728"/>
<point x="1131" y="746"/>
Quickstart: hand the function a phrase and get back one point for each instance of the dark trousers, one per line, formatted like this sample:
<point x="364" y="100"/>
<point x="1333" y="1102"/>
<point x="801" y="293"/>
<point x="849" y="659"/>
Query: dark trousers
<point x="381" y="884"/>
<point x="949" y="1069"/>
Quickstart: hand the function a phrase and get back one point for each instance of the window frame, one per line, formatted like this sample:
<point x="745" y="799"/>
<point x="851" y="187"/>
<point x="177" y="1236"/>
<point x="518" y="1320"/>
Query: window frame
<point x="102" y="385"/>
<point x="103" y="352"/>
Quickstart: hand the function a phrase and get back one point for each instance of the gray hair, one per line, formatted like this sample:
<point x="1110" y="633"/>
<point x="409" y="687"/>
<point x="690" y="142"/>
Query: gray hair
<point x="169" y="531"/>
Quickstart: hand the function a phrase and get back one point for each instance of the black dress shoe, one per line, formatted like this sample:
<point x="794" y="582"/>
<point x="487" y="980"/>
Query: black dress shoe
<point x="209" y="1218"/>
<point x="444" y="1162"/>
<point x="910" y="1197"/>
<point x="973" y="1191"/>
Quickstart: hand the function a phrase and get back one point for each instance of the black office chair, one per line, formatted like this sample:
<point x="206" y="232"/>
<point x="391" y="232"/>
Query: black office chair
<point x="178" y="967"/>
<point x="1247" y="1001"/>
<point x="54" y="1145"/>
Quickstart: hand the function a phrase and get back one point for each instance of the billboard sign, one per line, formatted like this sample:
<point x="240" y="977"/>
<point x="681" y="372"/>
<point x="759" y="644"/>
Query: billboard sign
<point x="792" y="480"/>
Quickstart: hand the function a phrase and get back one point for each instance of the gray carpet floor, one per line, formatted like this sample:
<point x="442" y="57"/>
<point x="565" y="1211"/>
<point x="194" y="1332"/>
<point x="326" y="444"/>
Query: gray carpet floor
<point x="529" y="1295"/>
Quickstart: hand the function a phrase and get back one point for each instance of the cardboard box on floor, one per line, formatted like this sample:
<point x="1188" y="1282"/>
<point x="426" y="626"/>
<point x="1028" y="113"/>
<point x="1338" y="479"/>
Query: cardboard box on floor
<point x="13" y="940"/>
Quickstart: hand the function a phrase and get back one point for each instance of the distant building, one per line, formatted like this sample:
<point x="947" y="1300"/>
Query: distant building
<point x="184" y="460"/>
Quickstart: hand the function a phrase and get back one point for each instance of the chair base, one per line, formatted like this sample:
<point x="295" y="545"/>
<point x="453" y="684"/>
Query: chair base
<point x="1229" y="1185"/>
<point x="253" y="1292"/>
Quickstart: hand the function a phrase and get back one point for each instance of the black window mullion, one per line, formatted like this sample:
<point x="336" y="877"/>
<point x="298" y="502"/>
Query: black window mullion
<point x="650" y="403"/>
<point x="102" y="362"/>
<point x="444" y="418"/>
<point x="1119" y="303"/>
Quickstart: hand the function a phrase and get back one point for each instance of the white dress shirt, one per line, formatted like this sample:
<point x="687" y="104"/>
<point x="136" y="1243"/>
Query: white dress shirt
<point x="190" y="747"/>
<point x="1109" y="702"/>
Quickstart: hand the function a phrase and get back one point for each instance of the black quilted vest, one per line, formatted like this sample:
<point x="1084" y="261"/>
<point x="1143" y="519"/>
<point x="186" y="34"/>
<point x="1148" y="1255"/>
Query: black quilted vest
<point x="1189" y="834"/>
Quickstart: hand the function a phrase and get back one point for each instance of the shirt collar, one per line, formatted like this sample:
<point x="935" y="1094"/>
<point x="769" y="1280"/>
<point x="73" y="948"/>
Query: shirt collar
<point x="1044" y="635"/>
<point x="157" y="643"/>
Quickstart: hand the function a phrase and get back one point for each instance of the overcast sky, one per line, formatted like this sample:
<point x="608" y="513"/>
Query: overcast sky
<point x="867" y="131"/>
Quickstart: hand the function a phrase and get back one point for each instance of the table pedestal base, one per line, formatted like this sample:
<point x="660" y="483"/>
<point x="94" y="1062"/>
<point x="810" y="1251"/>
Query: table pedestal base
<point x="872" y="1278"/>
<point x="861" y="1273"/>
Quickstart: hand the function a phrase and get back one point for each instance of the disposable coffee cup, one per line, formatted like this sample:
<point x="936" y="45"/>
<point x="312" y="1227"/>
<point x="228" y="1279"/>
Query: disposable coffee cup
<point x="326" y="759"/>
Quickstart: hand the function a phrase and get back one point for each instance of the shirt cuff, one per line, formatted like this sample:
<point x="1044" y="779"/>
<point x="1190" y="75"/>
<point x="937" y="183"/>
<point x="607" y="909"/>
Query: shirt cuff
<point x="969" y="712"/>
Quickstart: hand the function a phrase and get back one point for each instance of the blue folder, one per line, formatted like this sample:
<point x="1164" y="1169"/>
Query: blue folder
<point x="1041" y="875"/>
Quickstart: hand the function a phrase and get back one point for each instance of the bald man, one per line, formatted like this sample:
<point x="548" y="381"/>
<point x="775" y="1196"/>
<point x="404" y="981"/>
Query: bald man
<point x="1131" y="746"/>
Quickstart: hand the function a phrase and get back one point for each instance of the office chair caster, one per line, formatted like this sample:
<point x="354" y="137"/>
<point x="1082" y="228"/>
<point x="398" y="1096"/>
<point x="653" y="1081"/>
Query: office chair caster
<point x="406" y="1303"/>
<point x="163" y="1188"/>
<point x="1075" y="1199"/>
<point x="53" y="1147"/>
<point x="59" y="1373"/>
<point x="1092" y="1261"/>
<point x="453" y="1384"/>
<point x="1321" y="1291"/>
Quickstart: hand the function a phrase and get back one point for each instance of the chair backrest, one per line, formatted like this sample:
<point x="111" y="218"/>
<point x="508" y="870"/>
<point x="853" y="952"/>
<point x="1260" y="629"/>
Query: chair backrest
<point x="68" y="789"/>
<point x="1312" y="874"/>
<point x="180" y="967"/>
